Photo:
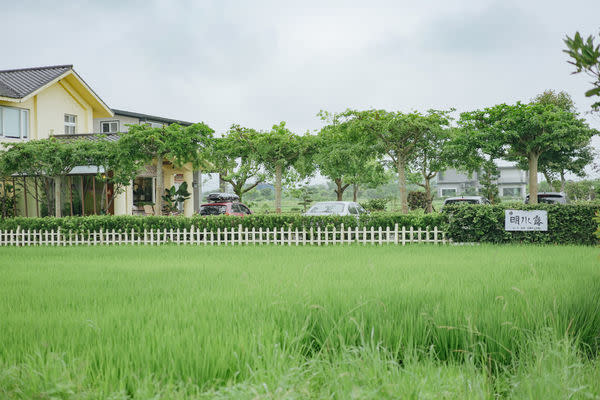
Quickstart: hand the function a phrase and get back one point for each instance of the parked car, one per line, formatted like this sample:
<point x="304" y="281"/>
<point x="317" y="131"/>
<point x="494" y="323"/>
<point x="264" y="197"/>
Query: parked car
<point x="336" y="208"/>
<point x="466" y="200"/>
<point x="550" y="198"/>
<point x="224" y="204"/>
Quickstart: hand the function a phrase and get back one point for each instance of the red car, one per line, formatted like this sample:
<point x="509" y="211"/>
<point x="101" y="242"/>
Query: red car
<point x="224" y="204"/>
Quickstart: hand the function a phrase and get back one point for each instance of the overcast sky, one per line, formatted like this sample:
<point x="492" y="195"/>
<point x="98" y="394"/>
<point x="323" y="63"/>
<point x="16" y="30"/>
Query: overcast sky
<point x="260" y="62"/>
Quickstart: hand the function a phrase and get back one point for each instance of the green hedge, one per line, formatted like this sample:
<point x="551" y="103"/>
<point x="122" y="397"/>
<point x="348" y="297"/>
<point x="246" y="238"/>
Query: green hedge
<point x="139" y="223"/>
<point x="567" y="224"/>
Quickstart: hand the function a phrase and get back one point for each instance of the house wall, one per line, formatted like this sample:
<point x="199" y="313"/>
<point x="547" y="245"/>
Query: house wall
<point x="454" y="176"/>
<point x="512" y="175"/>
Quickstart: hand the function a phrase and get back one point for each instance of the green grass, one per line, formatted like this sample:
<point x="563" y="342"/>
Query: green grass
<point x="285" y="322"/>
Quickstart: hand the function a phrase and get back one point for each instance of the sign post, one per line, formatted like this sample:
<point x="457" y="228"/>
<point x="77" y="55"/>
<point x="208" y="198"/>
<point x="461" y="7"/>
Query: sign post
<point x="519" y="220"/>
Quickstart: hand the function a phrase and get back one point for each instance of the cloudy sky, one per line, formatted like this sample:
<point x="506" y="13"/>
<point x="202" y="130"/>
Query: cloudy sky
<point x="260" y="62"/>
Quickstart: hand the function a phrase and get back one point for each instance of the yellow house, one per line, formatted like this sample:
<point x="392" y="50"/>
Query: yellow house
<point x="54" y="101"/>
<point x="36" y="103"/>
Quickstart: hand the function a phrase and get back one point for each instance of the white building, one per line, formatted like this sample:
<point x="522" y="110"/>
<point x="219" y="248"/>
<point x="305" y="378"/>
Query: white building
<point x="512" y="182"/>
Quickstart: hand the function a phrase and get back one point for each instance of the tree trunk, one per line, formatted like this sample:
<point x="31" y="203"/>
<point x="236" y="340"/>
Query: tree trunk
<point x="401" y="165"/>
<point x="57" y="197"/>
<point x="429" y="208"/>
<point x="238" y="189"/>
<point x="340" y="189"/>
<point x="533" y="182"/>
<point x="354" y="192"/>
<point x="222" y="183"/>
<point x="160" y="186"/>
<point x="562" y="181"/>
<point x="278" y="178"/>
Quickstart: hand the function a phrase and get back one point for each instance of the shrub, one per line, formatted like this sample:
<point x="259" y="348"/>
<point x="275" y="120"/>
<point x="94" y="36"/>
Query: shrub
<point x="417" y="200"/>
<point x="375" y="204"/>
<point x="567" y="224"/>
<point x="125" y="223"/>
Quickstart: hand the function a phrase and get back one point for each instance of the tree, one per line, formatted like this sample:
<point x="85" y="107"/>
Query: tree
<point x="234" y="158"/>
<point x="343" y="157"/>
<point x="50" y="160"/>
<point x="393" y="134"/>
<point x="573" y="157"/>
<point x="431" y="155"/>
<point x="116" y="167"/>
<point x="281" y="152"/>
<point x="585" y="56"/>
<point x="305" y="194"/>
<point x="524" y="132"/>
<point x="488" y="179"/>
<point x="174" y="143"/>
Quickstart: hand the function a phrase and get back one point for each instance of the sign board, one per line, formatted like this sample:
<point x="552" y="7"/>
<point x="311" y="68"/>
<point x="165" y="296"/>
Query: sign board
<point x="519" y="220"/>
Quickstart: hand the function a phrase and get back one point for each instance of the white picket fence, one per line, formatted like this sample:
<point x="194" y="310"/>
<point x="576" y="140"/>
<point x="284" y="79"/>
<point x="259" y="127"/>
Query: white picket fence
<point x="233" y="236"/>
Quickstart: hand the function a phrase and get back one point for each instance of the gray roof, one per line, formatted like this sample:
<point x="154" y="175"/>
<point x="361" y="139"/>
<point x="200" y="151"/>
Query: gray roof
<point x="146" y="117"/>
<point x="92" y="137"/>
<point x="18" y="83"/>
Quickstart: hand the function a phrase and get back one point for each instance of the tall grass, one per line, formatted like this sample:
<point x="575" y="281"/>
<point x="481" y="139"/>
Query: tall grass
<point x="298" y="322"/>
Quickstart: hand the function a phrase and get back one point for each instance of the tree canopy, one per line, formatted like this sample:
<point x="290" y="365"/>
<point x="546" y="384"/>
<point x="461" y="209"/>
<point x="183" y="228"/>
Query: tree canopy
<point x="235" y="159"/>
<point x="524" y="132"/>
<point x="282" y="152"/>
<point x="173" y="143"/>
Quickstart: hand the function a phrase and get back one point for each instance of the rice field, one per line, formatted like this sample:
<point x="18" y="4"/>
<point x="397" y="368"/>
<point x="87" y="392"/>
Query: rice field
<point x="481" y="322"/>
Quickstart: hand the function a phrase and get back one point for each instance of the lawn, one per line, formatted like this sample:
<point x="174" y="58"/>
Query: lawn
<point x="313" y="322"/>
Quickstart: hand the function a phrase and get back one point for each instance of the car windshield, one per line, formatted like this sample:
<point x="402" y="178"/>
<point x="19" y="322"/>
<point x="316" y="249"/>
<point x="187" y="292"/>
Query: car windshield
<point x="213" y="210"/>
<point x="462" y="201"/>
<point x="326" y="208"/>
<point x="550" y="199"/>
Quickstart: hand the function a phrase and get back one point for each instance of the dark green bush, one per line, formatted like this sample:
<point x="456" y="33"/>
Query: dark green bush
<point x="567" y="224"/>
<point x="375" y="204"/>
<point x="417" y="200"/>
<point x="139" y="223"/>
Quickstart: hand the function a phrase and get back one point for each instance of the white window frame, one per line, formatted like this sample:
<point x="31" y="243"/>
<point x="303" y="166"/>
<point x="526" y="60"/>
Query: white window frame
<point x="69" y="124"/>
<point x="102" y="123"/>
<point x="23" y="122"/>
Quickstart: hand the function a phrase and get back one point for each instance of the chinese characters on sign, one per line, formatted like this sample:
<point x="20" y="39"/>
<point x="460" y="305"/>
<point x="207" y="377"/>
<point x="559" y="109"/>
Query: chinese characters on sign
<point x="517" y="220"/>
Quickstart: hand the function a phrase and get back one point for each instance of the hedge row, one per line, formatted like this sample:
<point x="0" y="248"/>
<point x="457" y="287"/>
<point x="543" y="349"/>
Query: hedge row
<point x="139" y="223"/>
<point x="567" y="224"/>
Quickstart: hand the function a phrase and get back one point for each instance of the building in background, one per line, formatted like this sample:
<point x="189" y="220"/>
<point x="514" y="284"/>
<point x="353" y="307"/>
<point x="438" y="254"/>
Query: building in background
<point x="512" y="182"/>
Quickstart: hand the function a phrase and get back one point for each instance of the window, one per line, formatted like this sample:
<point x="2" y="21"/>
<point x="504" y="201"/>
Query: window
<point x="143" y="191"/>
<point x="448" y="192"/>
<point x="511" y="192"/>
<point x="70" y="124"/>
<point x="352" y="209"/>
<point x="109" y="126"/>
<point x="213" y="210"/>
<point x="14" y="122"/>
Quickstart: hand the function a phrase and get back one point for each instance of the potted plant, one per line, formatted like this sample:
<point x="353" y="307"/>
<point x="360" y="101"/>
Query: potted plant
<point x="173" y="197"/>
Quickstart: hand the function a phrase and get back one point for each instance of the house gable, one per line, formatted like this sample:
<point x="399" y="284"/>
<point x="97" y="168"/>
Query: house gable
<point x="50" y="93"/>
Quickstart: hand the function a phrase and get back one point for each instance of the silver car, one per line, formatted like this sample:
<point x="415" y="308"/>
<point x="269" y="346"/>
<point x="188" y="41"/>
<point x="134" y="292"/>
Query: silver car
<point x="466" y="200"/>
<point x="336" y="208"/>
<point x="550" y="198"/>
